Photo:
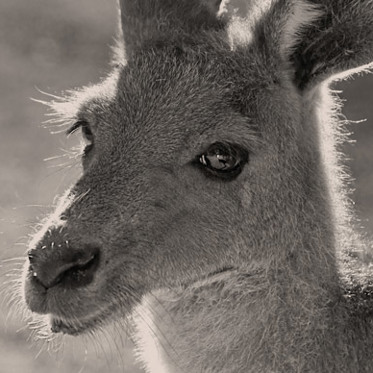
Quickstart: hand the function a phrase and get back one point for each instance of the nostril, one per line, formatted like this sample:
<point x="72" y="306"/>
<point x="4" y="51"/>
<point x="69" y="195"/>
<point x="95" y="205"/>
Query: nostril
<point x="68" y="268"/>
<point x="79" y="273"/>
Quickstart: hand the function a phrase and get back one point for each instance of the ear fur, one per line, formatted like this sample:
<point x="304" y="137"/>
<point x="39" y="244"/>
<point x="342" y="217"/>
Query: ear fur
<point x="274" y="26"/>
<point x="243" y="17"/>
<point x="319" y="38"/>
<point x="340" y="40"/>
<point x="148" y="21"/>
<point x="213" y="6"/>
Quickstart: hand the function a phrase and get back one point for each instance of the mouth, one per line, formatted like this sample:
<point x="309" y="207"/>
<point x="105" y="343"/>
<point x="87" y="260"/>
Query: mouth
<point x="74" y="327"/>
<point x="94" y="318"/>
<point x="78" y="325"/>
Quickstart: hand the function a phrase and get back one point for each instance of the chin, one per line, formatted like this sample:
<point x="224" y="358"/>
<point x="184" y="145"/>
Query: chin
<point x="75" y="326"/>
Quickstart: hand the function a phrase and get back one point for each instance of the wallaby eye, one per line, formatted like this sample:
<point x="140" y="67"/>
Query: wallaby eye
<point x="87" y="134"/>
<point x="223" y="160"/>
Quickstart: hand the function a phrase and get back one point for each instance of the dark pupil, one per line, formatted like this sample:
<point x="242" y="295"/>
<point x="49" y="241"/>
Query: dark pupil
<point x="220" y="158"/>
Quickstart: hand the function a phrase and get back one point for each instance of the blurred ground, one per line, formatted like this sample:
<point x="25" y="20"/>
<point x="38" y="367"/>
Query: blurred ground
<point x="57" y="45"/>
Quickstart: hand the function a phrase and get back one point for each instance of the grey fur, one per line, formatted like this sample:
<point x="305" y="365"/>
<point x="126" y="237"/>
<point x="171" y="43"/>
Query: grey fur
<point x="252" y="275"/>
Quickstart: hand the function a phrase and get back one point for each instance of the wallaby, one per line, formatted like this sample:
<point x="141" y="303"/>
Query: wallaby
<point x="212" y="204"/>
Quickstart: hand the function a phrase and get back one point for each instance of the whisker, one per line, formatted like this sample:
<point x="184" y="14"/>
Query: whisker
<point x="19" y="258"/>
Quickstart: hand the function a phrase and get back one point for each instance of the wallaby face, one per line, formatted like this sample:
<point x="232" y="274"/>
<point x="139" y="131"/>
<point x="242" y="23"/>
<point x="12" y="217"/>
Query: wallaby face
<point x="155" y="206"/>
<point x="203" y="183"/>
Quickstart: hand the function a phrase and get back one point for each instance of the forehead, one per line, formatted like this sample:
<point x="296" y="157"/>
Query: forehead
<point x="175" y="93"/>
<point x="168" y="92"/>
<point x="189" y="82"/>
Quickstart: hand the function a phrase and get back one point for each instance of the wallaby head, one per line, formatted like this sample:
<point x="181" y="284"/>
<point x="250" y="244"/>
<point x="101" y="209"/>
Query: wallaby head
<point x="205" y="183"/>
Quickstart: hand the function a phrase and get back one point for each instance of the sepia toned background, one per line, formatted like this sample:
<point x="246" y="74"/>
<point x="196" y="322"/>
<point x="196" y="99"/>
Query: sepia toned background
<point x="51" y="46"/>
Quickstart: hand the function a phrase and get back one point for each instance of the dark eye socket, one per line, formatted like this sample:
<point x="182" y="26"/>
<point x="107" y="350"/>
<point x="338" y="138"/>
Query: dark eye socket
<point x="87" y="134"/>
<point x="223" y="160"/>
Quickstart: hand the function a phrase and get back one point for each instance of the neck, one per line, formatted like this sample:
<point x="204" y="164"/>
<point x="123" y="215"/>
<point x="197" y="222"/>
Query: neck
<point x="236" y="320"/>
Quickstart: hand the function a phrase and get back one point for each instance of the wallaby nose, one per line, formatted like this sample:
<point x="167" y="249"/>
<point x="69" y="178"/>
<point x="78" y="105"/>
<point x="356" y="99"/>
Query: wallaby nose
<point x="56" y="262"/>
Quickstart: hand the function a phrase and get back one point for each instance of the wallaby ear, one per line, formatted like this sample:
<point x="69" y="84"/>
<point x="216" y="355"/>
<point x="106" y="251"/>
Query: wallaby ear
<point x="272" y="27"/>
<point x="318" y="38"/>
<point x="339" y="40"/>
<point x="147" y="21"/>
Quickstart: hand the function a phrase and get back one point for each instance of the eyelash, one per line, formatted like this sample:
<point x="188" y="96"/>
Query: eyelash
<point x="87" y="134"/>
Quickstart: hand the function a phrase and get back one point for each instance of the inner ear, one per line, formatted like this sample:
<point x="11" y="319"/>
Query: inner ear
<point x="280" y="30"/>
<point x="338" y="43"/>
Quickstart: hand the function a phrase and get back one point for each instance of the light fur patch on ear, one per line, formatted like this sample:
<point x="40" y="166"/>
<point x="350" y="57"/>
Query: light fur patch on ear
<point x="301" y="15"/>
<point x="243" y="16"/>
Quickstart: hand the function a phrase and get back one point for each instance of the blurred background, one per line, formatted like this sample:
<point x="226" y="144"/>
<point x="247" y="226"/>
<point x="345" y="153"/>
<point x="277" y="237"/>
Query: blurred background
<point x="51" y="46"/>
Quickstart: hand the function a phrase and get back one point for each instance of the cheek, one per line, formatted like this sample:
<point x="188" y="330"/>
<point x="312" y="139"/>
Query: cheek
<point x="194" y="241"/>
<point x="180" y="227"/>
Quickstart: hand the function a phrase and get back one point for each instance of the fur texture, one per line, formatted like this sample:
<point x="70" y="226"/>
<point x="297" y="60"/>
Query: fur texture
<point x="255" y="273"/>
